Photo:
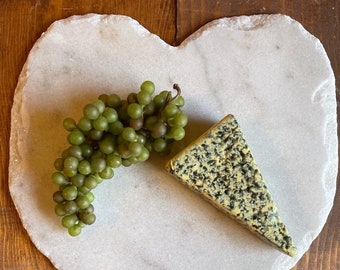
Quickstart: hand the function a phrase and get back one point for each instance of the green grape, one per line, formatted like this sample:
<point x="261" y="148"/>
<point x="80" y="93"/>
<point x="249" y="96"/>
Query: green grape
<point x="58" y="197"/>
<point x="160" y="99"/>
<point x="159" y="145"/>
<point x="123" y="151"/>
<point x="69" y="172"/>
<point x="144" y="98"/>
<point x="129" y="134"/>
<point x="69" y="124"/>
<point x="59" y="178"/>
<point x="74" y="230"/>
<point x="126" y="163"/>
<point x="90" y="198"/>
<point x="70" y="193"/>
<point x="76" y="137"/>
<point x="111" y="115"/>
<point x="69" y="220"/>
<point x="86" y="150"/>
<point x="116" y="128"/>
<point x="107" y="145"/>
<point x="83" y="190"/>
<point x="113" y="101"/>
<point x="148" y="87"/>
<point x="135" y="148"/>
<point x="141" y="137"/>
<point x="133" y="159"/>
<point x="71" y="163"/>
<point x="70" y="207"/>
<point x="158" y="129"/>
<point x="84" y="124"/>
<point x="96" y="134"/>
<point x="83" y="202"/>
<point x="136" y="124"/>
<point x="122" y="111"/>
<point x="179" y="120"/>
<point x="91" y="112"/>
<point x="100" y="105"/>
<point x="113" y="160"/>
<point x="179" y="101"/>
<point x="150" y="121"/>
<point x="98" y="164"/>
<point x="104" y="98"/>
<point x="78" y="179"/>
<point x="144" y="155"/>
<point x="170" y="110"/>
<point x="176" y="133"/>
<point x="84" y="167"/>
<point x="107" y="173"/>
<point x="59" y="209"/>
<point x="59" y="164"/>
<point x="87" y="218"/>
<point x="150" y="108"/>
<point x="132" y="98"/>
<point x="90" y="182"/>
<point x="89" y="209"/>
<point x="75" y="151"/>
<point x="134" y="110"/>
<point x="101" y="123"/>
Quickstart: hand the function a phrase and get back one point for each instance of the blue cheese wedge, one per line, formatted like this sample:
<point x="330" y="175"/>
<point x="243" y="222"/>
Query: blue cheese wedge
<point x="221" y="168"/>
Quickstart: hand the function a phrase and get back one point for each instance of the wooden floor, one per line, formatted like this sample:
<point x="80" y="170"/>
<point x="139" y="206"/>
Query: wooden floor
<point x="23" y="21"/>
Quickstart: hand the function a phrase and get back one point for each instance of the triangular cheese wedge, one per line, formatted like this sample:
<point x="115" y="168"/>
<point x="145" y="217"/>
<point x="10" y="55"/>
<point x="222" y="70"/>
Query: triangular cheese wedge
<point x="220" y="166"/>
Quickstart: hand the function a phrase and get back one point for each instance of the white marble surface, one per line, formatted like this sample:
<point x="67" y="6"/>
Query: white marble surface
<point x="267" y="70"/>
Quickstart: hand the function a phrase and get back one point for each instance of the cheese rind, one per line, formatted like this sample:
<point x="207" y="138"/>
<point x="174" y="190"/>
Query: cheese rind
<point x="220" y="167"/>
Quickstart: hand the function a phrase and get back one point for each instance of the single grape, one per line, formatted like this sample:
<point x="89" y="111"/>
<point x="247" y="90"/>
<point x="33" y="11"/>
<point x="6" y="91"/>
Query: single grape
<point x="179" y="101"/>
<point x="113" y="101"/>
<point x="113" y="160"/>
<point x="74" y="230"/>
<point x="71" y="163"/>
<point x="58" y="197"/>
<point x="95" y="134"/>
<point x="135" y="148"/>
<point x="70" y="193"/>
<point x="159" y="145"/>
<point x="110" y="114"/>
<point x="59" y="164"/>
<point x="83" y="190"/>
<point x="160" y="99"/>
<point x="170" y="110"/>
<point x="69" y="124"/>
<point x="69" y="220"/>
<point x="91" y="112"/>
<point x="179" y="120"/>
<point x="150" y="108"/>
<point x="70" y="207"/>
<point x="129" y="134"/>
<point x="84" y="124"/>
<point x="107" y="173"/>
<point x="98" y="164"/>
<point x="132" y="98"/>
<point x="78" y="179"/>
<point x="116" y="128"/>
<point x="59" y="209"/>
<point x="123" y="150"/>
<point x="101" y="123"/>
<point x="59" y="178"/>
<point x="144" y="155"/>
<point x="86" y="150"/>
<point x="158" y="129"/>
<point x="87" y="218"/>
<point x="176" y="133"/>
<point x="134" y="110"/>
<point x="104" y="98"/>
<point x="90" y="182"/>
<point x="82" y="202"/>
<point x="100" y="105"/>
<point x="75" y="151"/>
<point x="76" y="137"/>
<point x="107" y="145"/>
<point x="150" y="121"/>
<point x="144" y="98"/>
<point x="148" y="87"/>
<point x="69" y="172"/>
<point x="90" y="197"/>
<point x="136" y="124"/>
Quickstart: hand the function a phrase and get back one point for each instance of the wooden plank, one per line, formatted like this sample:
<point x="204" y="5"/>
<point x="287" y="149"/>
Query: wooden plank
<point x="22" y="22"/>
<point x="321" y="18"/>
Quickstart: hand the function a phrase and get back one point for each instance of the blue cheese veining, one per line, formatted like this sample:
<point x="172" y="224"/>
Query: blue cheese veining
<point x="220" y="166"/>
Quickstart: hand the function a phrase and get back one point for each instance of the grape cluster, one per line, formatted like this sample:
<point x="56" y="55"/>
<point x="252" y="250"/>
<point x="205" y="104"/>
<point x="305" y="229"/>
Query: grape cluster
<point x="112" y="132"/>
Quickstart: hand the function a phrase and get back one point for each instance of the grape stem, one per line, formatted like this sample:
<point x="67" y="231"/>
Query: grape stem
<point x="169" y="98"/>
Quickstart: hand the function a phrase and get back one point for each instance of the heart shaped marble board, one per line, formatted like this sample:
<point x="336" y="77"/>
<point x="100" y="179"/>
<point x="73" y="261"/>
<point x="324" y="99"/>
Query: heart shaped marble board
<point x="266" y="70"/>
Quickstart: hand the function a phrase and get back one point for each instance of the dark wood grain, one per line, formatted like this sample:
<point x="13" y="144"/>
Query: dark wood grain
<point x="319" y="17"/>
<point x="21" y="24"/>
